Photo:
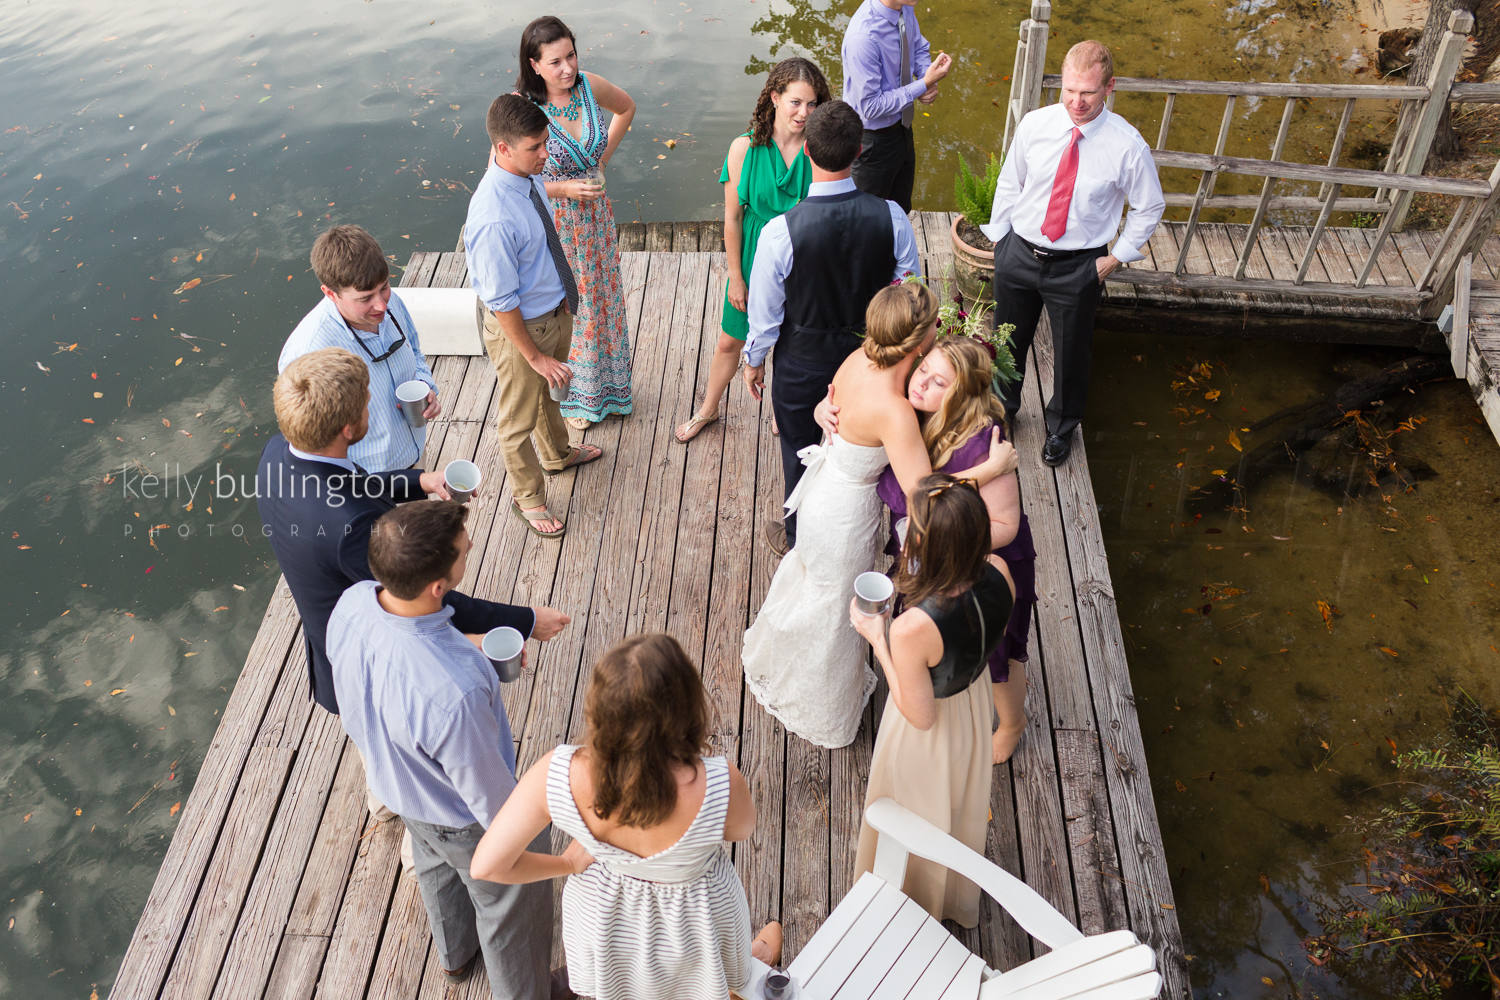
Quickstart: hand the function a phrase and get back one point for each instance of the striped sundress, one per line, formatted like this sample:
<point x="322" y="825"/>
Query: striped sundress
<point x="673" y="926"/>
<point x="600" y="356"/>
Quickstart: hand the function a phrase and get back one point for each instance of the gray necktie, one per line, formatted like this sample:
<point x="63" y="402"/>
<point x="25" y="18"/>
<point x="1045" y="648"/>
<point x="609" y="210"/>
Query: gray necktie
<point x="564" y="269"/>
<point x="908" y="112"/>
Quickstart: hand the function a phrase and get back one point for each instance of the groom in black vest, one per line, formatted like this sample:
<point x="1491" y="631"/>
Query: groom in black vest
<point x="816" y="269"/>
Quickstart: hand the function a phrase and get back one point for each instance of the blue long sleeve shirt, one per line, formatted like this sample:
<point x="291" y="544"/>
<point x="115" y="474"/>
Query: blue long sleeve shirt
<point x="423" y="705"/>
<point x="391" y="443"/>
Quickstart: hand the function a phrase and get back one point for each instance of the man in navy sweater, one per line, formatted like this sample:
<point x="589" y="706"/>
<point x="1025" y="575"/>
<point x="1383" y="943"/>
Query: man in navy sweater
<point x="318" y="507"/>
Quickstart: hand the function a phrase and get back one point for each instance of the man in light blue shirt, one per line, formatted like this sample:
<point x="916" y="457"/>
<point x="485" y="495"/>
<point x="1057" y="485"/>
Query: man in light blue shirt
<point x="887" y="67"/>
<point x="359" y="314"/>
<point x="518" y="268"/>
<point x="423" y="705"/>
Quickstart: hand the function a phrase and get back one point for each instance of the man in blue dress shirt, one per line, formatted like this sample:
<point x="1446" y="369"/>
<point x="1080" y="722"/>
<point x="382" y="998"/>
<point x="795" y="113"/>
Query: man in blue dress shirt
<point x="518" y="269"/>
<point x="816" y="269"/>
<point x="423" y="705"/>
<point x="359" y="314"/>
<point x="887" y="67"/>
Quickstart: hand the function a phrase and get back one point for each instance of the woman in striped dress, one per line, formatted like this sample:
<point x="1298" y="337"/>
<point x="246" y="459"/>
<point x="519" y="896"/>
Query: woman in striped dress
<point x="579" y="144"/>
<point x="653" y="908"/>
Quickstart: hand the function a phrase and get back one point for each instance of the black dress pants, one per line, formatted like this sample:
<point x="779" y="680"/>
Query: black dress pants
<point x="1070" y="289"/>
<point x="797" y="387"/>
<point x="887" y="164"/>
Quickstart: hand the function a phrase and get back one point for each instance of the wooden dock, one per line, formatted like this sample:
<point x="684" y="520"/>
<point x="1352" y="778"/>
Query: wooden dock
<point x="276" y="884"/>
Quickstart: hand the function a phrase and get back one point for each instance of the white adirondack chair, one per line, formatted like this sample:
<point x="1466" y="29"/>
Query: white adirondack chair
<point x="879" y="945"/>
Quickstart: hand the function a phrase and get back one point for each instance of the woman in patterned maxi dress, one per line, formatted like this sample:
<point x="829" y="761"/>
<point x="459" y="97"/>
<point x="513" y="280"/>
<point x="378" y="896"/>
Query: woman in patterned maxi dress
<point x="578" y="147"/>
<point x="653" y="908"/>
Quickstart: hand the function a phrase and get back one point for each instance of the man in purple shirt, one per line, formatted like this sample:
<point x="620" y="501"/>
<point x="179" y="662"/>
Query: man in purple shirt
<point x="888" y="67"/>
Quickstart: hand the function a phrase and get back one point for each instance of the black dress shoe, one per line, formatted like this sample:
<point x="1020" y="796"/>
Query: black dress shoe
<point x="1057" y="449"/>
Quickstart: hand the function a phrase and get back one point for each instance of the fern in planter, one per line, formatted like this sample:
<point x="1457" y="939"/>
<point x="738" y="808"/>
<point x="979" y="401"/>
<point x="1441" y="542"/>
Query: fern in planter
<point x="975" y="195"/>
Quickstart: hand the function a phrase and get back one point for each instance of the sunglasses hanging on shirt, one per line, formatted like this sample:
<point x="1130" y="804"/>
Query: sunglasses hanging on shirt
<point x="394" y="347"/>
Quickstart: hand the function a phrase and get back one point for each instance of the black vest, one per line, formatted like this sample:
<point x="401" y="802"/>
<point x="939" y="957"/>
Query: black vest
<point x="972" y="625"/>
<point x="843" y="252"/>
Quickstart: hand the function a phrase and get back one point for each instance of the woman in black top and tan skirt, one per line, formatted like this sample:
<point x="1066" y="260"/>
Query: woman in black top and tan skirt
<point x="932" y="752"/>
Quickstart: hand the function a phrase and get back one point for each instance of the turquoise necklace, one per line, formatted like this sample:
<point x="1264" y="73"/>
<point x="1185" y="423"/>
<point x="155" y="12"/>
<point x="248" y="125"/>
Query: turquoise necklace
<point x="570" y="111"/>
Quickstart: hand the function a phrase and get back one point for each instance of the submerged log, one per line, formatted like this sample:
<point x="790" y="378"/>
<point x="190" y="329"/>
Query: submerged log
<point x="1321" y="427"/>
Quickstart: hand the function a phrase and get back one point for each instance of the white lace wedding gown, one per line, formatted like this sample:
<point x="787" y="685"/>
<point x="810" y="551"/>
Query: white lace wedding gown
<point x="803" y="660"/>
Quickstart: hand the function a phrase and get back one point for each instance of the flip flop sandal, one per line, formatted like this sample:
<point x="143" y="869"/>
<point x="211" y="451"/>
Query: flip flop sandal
<point x="694" y="426"/>
<point x="528" y="516"/>
<point x="578" y="460"/>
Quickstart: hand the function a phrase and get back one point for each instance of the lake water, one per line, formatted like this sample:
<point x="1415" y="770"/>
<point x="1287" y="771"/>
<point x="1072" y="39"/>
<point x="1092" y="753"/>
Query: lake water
<point x="163" y="173"/>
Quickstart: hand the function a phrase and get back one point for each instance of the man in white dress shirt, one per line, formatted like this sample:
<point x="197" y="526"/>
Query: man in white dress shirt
<point x="1069" y="172"/>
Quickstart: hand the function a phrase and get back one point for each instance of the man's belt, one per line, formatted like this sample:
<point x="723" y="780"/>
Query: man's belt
<point x="1051" y="253"/>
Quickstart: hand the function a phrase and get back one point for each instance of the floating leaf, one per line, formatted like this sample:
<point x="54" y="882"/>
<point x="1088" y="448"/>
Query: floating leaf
<point x="222" y="607"/>
<point x="77" y="812"/>
<point x="236" y="586"/>
<point x="171" y="711"/>
<point x="175" y="806"/>
<point x="1181" y="787"/>
<point x="165" y="422"/>
<point x="1211" y="395"/>
<point x="177" y="362"/>
<point x="89" y="420"/>
<point x="1265" y="885"/>
<point x="117" y="691"/>
<point x="88" y="683"/>
<point x="188" y="286"/>
<point x="231" y="196"/>
<point x="261" y="101"/>
<point x="1234" y="441"/>
<point x="1267" y="980"/>
<point x="44" y="368"/>
<point x="1389" y="651"/>
<point x="98" y="395"/>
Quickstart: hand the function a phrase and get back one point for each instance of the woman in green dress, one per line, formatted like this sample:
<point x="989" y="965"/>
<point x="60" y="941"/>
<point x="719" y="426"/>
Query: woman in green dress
<point x="765" y="173"/>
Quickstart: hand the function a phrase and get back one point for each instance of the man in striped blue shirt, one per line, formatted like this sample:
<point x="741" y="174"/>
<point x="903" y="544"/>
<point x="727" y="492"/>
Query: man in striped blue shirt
<point x="424" y="707"/>
<point x="359" y="314"/>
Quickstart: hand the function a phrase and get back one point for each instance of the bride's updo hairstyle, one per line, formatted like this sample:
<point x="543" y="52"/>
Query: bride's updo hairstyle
<point x="897" y="320"/>
<point x="947" y="538"/>
<point x="646" y="711"/>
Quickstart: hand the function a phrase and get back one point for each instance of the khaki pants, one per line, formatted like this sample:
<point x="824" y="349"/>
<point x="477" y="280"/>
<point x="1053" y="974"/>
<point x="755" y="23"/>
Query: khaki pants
<point x="526" y="405"/>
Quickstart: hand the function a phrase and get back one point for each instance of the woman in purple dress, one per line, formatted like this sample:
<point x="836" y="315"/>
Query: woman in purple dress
<point x="950" y="390"/>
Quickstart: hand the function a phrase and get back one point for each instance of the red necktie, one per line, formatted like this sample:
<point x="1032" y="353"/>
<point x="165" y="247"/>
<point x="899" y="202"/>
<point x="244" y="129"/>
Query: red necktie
<point x="1056" y="222"/>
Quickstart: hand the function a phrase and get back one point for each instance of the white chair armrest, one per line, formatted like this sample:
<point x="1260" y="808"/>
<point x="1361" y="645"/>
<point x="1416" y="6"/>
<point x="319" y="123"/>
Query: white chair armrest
<point x="1035" y="915"/>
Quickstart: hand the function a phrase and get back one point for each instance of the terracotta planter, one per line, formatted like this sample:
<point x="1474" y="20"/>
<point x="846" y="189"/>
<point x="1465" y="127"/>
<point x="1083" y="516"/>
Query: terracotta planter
<point x="974" y="269"/>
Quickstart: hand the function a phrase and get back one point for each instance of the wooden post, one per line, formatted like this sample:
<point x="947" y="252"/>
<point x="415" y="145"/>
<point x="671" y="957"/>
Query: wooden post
<point x="1338" y="141"/>
<point x="1478" y="225"/>
<point x="1458" y="343"/>
<point x="1166" y="122"/>
<point x="1317" y="233"/>
<point x="1205" y="185"/>
<point x="1444" y="67"/>
<point x="1265" y="191"/>
<point x="1030" y="64"/>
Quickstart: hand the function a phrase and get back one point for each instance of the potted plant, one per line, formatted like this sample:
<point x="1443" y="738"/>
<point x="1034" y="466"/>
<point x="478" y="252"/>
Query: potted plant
<point x="973" y="253"/>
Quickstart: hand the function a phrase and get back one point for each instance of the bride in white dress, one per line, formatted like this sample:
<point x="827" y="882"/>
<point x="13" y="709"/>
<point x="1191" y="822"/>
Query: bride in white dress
<point x="803" y="660"/>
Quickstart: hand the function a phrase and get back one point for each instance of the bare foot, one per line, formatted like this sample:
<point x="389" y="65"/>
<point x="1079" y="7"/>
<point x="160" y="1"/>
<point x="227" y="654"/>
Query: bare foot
<point x="1004" y="742"/>
<point x="686" y="432"/>
<point x="547" y="527"/>
<point x="767" y="944"/>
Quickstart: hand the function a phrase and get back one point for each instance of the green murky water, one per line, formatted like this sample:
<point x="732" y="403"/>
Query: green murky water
<point x="148" y="146"/>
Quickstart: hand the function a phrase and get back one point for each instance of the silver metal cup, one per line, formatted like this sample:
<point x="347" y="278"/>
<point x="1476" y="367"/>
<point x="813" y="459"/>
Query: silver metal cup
<point x="413" y="399"/>
<point x="560" y="393"/>
<point x="503" y="646"/>
<point x="462" y="478"/>
<point x="872" y="593"/>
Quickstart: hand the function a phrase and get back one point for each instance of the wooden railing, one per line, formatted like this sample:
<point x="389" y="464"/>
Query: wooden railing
<point x="1420" y="109"/>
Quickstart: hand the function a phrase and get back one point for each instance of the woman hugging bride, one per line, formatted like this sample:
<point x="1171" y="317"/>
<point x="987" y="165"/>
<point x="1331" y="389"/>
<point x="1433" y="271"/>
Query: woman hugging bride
<point x="803" y="660"/>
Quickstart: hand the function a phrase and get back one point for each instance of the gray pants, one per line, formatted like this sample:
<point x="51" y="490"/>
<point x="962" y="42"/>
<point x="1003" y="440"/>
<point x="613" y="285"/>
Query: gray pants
<point x="511" y="924"/>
